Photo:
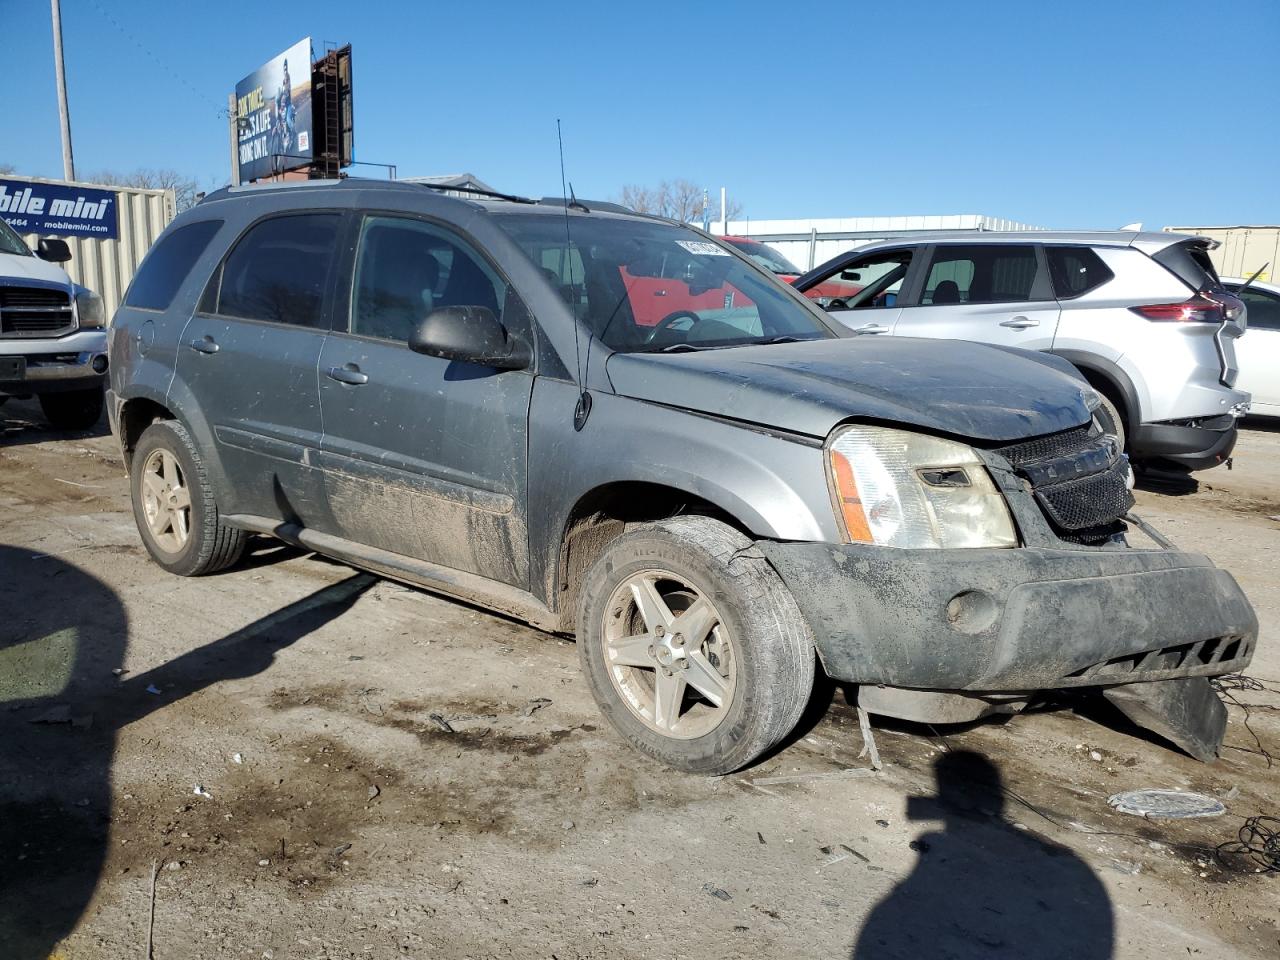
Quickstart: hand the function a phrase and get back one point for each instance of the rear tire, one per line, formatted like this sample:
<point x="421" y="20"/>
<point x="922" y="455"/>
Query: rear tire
<point x="173" y="505"/>
<point x="73" y="409"/>
<point x="747" y="645"/>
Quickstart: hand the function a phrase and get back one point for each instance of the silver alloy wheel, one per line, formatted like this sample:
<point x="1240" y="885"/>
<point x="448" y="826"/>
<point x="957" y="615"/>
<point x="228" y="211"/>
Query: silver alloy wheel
<point x="166" y="501"/>
<point x="669" y="654"/>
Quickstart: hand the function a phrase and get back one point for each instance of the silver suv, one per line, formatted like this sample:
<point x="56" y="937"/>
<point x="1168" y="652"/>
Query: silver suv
<point x="1142" y="315"/>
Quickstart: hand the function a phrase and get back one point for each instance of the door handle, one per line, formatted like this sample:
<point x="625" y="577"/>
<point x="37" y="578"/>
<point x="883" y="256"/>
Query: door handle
<point x="348" y="374"/>
<point x="205" y="344"/>
<point x="1020" y="323"/>
<point x="871" y="328"/>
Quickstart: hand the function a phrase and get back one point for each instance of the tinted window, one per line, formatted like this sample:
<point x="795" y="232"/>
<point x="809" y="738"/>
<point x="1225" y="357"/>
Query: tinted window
<point x="767" y="257"/>
<point x="406" y="268"/>
<point x="982" y="273"/>
<point x="1264" y="307"/>
<point x="1189" y="262"/>
<point x="168" y="264"/>
<point x="277" y="271"/>
<point x="1075" y="270"/>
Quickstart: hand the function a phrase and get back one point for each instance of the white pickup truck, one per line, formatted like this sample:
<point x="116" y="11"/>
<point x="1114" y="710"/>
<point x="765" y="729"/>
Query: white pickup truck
<point x="53" y="341"/>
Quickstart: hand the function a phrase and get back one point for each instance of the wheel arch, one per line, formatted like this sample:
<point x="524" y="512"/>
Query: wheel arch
<point x="1111" y="381"/>
<point x="605" y="512"/>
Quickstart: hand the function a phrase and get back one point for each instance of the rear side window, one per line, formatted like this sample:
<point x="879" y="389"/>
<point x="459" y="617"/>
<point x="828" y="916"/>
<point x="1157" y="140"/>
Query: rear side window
<point x="981" y="273"/>
<point x="168" y="264"/>
<point x="1075" y="270"/>
<point x="277" y="271"/>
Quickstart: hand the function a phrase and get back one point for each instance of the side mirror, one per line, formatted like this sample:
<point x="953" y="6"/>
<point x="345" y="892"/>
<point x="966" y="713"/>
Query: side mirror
<point x="850" y="275"/>
<point x="53" y="250"/>
<point x="471" y="335"/>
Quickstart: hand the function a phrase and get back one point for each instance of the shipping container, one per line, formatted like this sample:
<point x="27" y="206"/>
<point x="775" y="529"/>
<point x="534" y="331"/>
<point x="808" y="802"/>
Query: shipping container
<point x="1242" y="251"/>
<point x="106" y="266"/>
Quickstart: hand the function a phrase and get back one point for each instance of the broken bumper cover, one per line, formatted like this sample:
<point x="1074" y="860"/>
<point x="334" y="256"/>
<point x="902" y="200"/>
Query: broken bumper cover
<point x="1019" y="620"/>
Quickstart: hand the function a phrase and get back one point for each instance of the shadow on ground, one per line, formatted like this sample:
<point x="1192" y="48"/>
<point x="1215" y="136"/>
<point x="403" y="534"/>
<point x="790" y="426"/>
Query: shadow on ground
<point x="22" y="422"/>
<point x="63" y="633"/>
<point x="983" y="888"/>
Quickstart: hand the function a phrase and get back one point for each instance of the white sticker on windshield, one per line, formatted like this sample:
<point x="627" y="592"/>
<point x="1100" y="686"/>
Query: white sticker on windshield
<point x="703" y="248"/>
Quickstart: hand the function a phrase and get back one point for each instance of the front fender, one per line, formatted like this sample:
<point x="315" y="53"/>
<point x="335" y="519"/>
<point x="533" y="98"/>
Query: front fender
<point x="774" y="486"/>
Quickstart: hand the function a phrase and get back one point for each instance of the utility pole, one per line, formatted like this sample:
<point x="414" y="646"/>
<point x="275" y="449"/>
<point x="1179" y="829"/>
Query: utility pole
<point x="68" y="162"/>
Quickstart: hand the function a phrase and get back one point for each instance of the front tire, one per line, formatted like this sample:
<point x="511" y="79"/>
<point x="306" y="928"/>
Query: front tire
<point x="173" y="505"/>
<point x="1111" y="420"/>
<point x="693" y="648"/>
<point x="72" y="409"/>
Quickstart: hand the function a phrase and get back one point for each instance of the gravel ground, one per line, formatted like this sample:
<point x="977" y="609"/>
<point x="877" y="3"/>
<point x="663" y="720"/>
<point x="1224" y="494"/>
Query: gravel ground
<point x="337" y="817"/>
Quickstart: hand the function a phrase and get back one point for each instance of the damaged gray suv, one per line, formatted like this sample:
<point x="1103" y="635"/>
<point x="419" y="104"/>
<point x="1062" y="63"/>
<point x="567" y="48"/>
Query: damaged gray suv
<point x="615" y="427"/>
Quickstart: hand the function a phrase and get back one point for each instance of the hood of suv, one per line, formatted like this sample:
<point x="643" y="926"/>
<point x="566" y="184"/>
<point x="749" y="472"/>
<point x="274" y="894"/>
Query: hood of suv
<point x="16" y="268"/>
<point x="945" y="386"/>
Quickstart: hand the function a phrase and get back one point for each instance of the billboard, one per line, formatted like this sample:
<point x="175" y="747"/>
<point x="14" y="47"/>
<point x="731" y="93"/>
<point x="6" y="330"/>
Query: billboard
<point x="59" y="209"/>
<point x="273" y="113"/>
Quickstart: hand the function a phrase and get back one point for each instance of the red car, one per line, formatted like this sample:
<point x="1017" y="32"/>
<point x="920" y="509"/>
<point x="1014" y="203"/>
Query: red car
<point x="772" y="260"/>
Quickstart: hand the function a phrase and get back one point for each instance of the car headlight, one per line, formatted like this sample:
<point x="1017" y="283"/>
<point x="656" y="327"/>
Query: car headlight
<point x="901" y="489"/>
<point x="89" y="309"/>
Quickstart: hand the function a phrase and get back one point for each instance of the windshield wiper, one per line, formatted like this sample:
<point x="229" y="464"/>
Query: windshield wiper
<point x="784" y="338"/>
<point x="680" y="348"/>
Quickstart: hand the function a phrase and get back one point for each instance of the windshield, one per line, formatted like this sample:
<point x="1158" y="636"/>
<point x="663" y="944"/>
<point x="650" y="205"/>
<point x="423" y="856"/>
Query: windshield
<point x="767" y="257"/>
<point x="657" y="286"/>
<point x="10" y="242"/>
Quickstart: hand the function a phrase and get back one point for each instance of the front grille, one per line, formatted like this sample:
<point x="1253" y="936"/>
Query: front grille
<point x="1049" y="446"/>
<point x="1211" y="657"/>
<point x="1080" y="480"/>
<point x="34" y="311"/>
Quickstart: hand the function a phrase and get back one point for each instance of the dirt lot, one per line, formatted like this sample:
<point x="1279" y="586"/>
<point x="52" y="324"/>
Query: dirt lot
<point x="336" y="817"/>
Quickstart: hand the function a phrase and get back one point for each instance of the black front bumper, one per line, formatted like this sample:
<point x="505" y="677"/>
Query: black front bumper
<point x="1020" y="620"/>
<point x="1190" y="447"/>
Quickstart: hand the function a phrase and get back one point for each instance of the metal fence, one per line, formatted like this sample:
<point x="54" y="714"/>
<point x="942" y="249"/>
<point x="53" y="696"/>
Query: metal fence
<point x="107" y="266"/>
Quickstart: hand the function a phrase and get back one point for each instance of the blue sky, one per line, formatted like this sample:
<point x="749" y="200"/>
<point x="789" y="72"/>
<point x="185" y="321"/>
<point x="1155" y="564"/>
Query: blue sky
<point x="1061" y="114"/>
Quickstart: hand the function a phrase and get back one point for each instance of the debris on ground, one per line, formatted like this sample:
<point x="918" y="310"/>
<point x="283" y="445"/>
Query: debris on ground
<point x="441" y="722"/>
<point x="374" y="790"/>
<point x="1256" y="848"/>
<point x="200" y="791"/>
<point x="537" y="703"/>
<point x="1166" y="804"/>
<point x="237" y="758"/>
<point x="567" y="825"/>
<point x="153" y="689"/>
<point x="717" y="892"/>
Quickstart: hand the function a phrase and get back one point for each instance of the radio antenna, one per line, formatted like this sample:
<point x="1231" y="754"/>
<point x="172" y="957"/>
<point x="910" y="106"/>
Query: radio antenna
<point x="583" y="408"/>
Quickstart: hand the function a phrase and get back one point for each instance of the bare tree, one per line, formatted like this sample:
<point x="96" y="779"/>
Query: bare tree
<point x="677" y="199"/>
<point x="6" y="169"/>
<point x="185" y="189"/>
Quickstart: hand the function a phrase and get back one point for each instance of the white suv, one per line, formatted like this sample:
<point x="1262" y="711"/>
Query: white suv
<point x="53" y="344"/>
<point x="1142" y="315"/>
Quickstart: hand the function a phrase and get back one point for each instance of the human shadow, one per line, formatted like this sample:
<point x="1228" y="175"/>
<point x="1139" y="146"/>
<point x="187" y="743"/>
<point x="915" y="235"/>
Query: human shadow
<point x="63" y="636"/>
<point x="984" y="889"/>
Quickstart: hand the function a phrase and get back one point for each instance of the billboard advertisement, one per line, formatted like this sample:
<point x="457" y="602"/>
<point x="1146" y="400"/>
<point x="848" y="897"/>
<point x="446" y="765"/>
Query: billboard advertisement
<point x="59" y="209"/>
<point x="273" y="113"/>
